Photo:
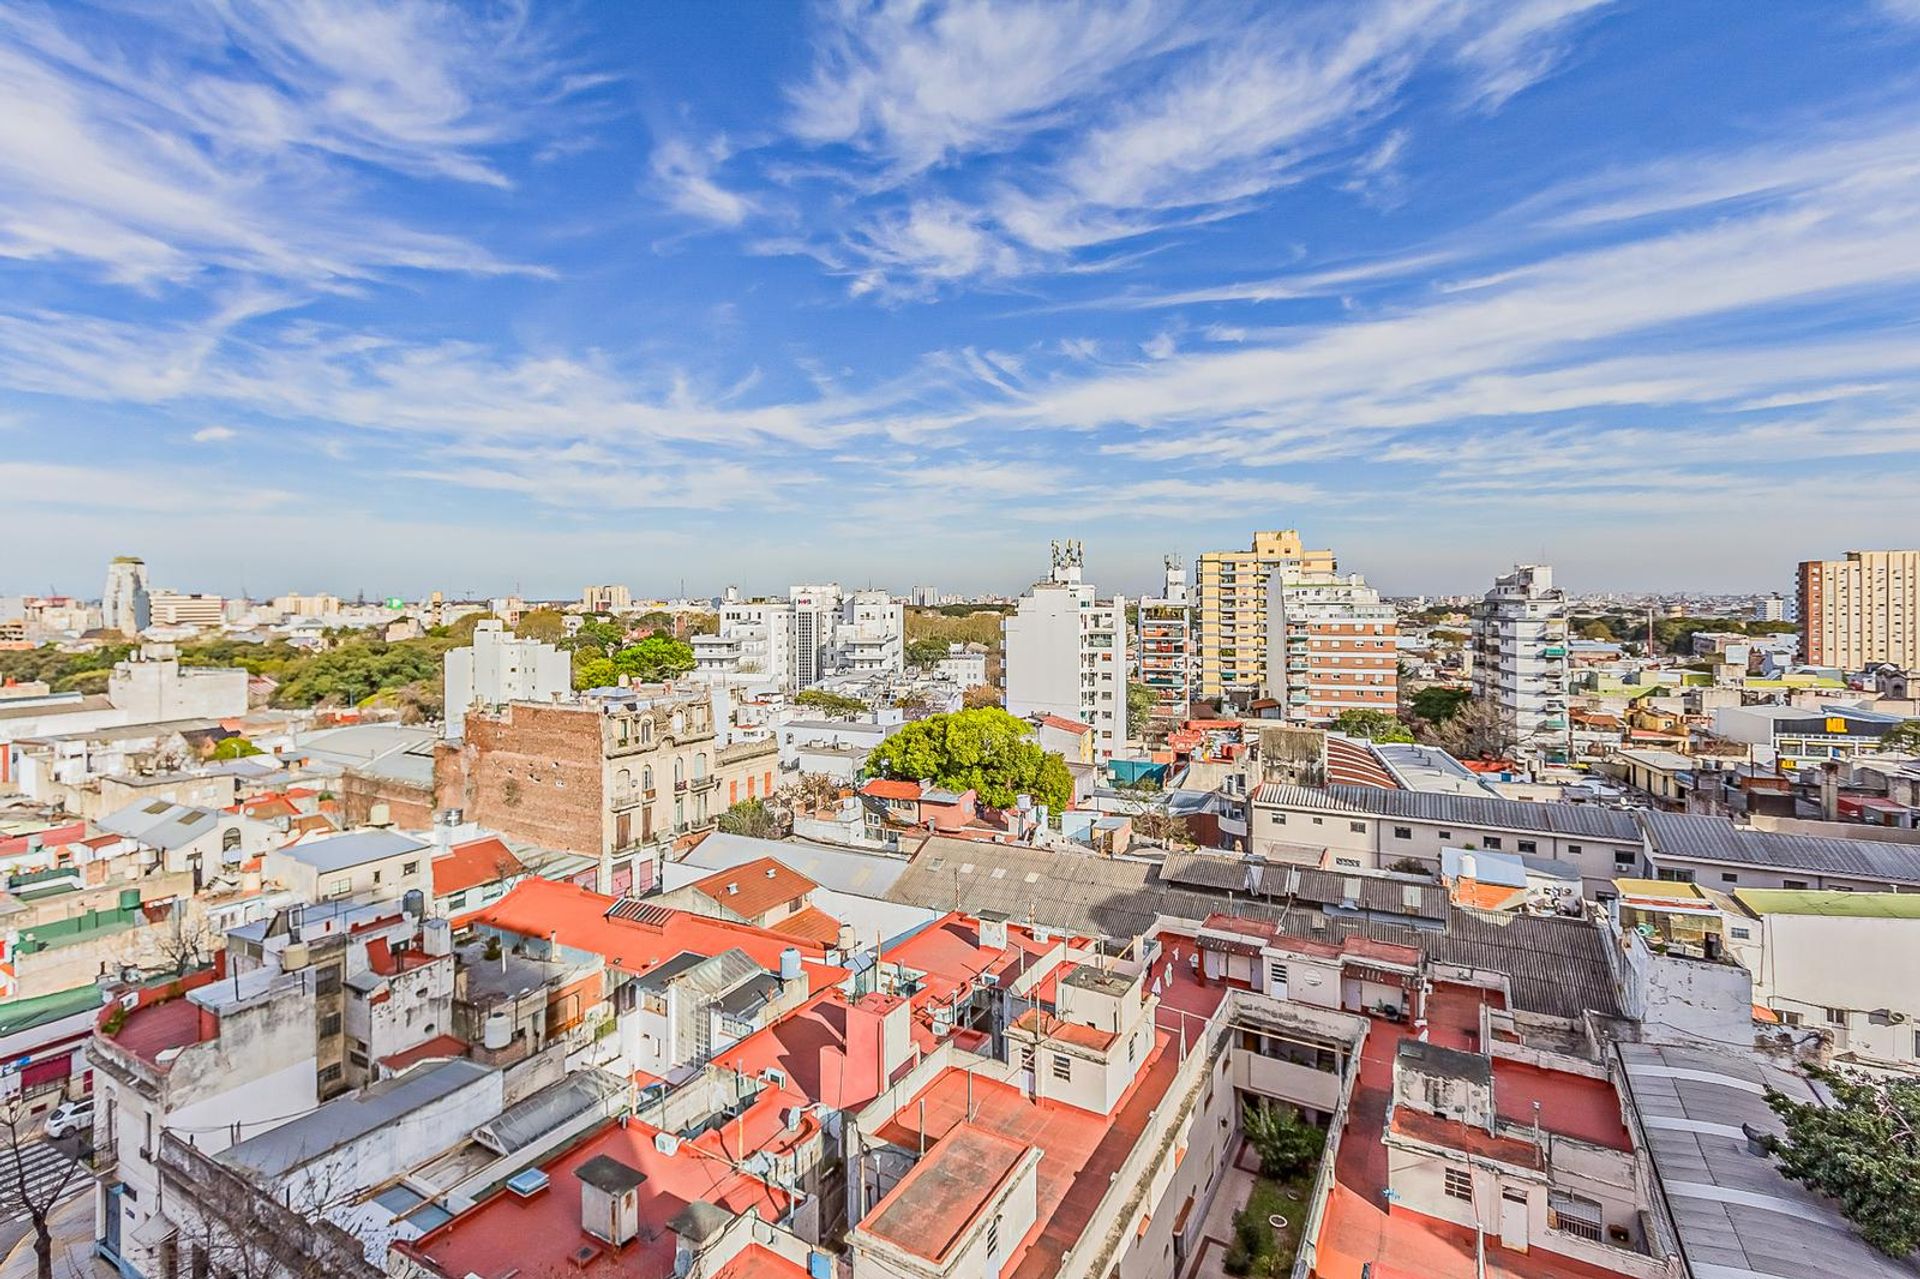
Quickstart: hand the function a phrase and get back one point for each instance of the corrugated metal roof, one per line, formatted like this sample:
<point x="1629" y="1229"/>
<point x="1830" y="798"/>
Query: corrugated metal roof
<point x="1715" y="839"/>
<point x="1556" y="967"/>
<point x="338" y="852"/>
<point x="272" y="1154"/>
<point x="1590" y="820"/>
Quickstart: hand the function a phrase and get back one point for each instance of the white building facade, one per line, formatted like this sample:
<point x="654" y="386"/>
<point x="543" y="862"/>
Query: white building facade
<point x="124" y="604"/>
<point x="1066" y="653"/>
<point x="498" y="668"/>
<point x="815" y="633"/>
<point x="1520" y="657"/>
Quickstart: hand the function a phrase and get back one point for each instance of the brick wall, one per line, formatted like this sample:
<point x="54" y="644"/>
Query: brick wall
<point x="409" y="807"/>
<point x="532" y="773"/>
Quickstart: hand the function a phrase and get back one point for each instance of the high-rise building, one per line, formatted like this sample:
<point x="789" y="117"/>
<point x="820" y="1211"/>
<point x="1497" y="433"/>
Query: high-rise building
<point x="817" y="631"/>
<point x="1332" y="646"/>
<point x="1861" y="611"/>
<point x="1520" y="657"/>
<point x="1066" y="653"/>
<point x="925" y="597"/>
<point x="1230" y="610"/>
<point x="1773" y="608"/>
<point x="1164" y="642"/>
<point x="498" y="668"/>
<point x="125" y="605"/>
<point x="605" y="599"/>
<point x="172" y="608"/>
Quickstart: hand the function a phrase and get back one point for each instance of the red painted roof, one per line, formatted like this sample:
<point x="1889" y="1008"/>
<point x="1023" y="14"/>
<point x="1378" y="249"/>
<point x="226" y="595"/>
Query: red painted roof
<point x="476" y="862"/>
<point x="755" y="1262"/>
<point x="756" y="887"/>
<point x="932" y="1206"/>
<point x="539" y="1235"/>
<point x="811" y="924"/>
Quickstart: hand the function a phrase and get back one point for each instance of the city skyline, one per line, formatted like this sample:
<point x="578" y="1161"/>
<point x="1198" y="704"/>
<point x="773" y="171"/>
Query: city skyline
<point x="665" y="295"/>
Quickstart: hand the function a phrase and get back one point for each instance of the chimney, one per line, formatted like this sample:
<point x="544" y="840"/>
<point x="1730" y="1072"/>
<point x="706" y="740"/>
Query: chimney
<point x="1830" y="791"/>
<point x="993" y="930"/>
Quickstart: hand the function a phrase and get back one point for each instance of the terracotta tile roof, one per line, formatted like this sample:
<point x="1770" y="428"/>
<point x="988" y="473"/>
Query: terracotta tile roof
<point x="811" y="924"/>
<point x="578" y="919"/>
<point x="438" y="1046"/>
<point x="1064" y="724"/>
<point x="476" y="862"/>
<point x="887" y="788"/>
<point x="756" y="887"/>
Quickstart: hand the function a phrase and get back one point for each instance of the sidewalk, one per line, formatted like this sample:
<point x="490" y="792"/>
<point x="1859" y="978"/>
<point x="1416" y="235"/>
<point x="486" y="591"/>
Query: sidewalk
<point x="73" y="1258"/>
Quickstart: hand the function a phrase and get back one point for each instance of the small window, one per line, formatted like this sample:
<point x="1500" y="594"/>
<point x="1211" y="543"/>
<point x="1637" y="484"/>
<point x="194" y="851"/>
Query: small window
<point x="1491" y="841"/>
<point x="1446" y="834"/>
<point x="1358" y="828"/>
<point x="1528" y="846"/>
<point x="330" y="1024"/>
<point x="1319" y="821"/>
<point x="993" y="1237"/>
<point x="331" y="1075"/>
<point x="1728" y="877"/>
<point x="1623" y="858"/>
<point x="1573" y="850"/>
<point x="1279" y="819"/>
<point x="1738" y="932"/>
<point x="1836" y="1016"/>
<point x="1403" y="832"/>
<point x="1062" y="1067"/>
<point x="1276" y="976"/>
<point x="1459" y="1184"/>
<point x="1793" y="883"/>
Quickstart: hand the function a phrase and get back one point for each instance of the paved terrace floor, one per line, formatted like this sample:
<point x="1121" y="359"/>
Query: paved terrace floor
<point x="1358" y="1229"/>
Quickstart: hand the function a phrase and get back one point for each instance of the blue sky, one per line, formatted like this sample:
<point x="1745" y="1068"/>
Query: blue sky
<point x="321" y="294"/>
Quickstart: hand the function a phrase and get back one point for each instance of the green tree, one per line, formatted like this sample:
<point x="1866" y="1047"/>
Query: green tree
<point x="1450" y="637"/>
<point x="1903" y="737"/>
<point x="986" y="751"/>
<point x="829" y="703"/>
<point x="1437" y="703"/>
<point x="544" y="624"/>
<point x="235" y="748"/>
<point x="1863" y="1152"/>
<point x="1286" y="1143"/>
<point x="591" y="671"/>
<point x="980" y="695"/>
<point x="1140" y="703"/>
<point x="927" y="651"/>
<point x="1376" y="726"/>
<point x="461" y="630"/>
<point x="604" y="638"/>
<point x="1597" y="629"/>
<point x="657" y="620"/>
<point x="751" y="817"/>
<point x="655" y="658"/>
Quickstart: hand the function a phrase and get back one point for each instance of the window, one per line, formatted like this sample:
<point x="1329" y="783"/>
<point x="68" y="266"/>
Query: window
<point x="1836" y="1016"/>
<point x="1528" y="846"/>
<point x="1491" y="841"/>
<point x="1403" y="832"/>
<point x="331" y="1075"/>
<point x="1358" y="828"/>
<point x="327" y="982"/>
<point x="330" y="1024"/>
<point x="1319" y="821"/>
<point x="340" y="888"/>
<point x="1062" y="1067"/>
<point x="1446" y="834"/>
<point x="1459" y="1184"/>
<point x="1793" y="883"/>
<point x="1739" y="932"/>
<point x="1279" y="819"/>
<point x="993" y="1237"/>
<point x="1573" y="850"/>
<point x="1622" y="858"/>
<point x="1276" y="976"/>
<point x="1133" y="1044"/>
<point x="1916" y="1043"/>
<point x="1728" y="877"/>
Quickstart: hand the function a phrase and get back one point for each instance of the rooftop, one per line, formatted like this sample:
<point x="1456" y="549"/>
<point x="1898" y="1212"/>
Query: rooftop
<point x="1791" y="901"/>
<point x="1716" y="839"/>
<point x="1591" y="820"/>
<point x="756" y="887"/>
<point x="356" y="848"/>
<point x="347" y="1119"/>
<point x="473" y="863"/>
<point x="1734" y="1212"/>
<point x="506" y="1234"/>
<point x="932" y="1206"/>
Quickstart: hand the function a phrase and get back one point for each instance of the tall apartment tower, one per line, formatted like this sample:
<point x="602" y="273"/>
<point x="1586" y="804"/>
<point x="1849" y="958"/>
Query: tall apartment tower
<point x="1520" y="657"/>
<point x="124" y="604"/>
<point x="1066" y="653"/>
<point x="1861" y="611"/>
<point x="500" y="667"/>
<point x="611" y="598"/>
<point x="1230" y="610"/>
<point x="1164" y="642"/>
<point x="1332" y="646"/>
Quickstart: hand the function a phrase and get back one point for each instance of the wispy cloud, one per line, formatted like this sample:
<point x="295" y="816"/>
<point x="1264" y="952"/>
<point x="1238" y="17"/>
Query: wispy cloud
<point x="683" y="176"/>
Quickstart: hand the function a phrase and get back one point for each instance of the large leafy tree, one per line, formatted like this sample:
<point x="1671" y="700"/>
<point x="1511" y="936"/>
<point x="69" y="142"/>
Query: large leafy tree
<point x="1863" y="1151"/>
<point x="544" y="624"/>
<point x="1140" y="700"/>
<point x="1903" y="737"/>
<point x="1436" y="703"/>
<point x="1286" y="1143"/>
<point x="984" y="750"/>
<point x="655" y="658"/>
<point x="1375" y="726"/>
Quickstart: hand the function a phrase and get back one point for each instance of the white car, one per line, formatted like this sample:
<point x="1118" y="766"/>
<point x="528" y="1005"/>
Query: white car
<point x="70" y="1117"/>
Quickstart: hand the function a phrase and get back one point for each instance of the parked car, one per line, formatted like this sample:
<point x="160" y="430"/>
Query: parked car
<point x="70" y="1117"/>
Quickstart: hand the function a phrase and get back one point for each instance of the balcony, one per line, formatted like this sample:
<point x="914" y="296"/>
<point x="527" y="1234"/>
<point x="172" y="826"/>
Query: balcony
<point x="708" y="782"/>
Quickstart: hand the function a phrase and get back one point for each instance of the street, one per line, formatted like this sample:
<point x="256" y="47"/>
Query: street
<point x="46" y="1162"/>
